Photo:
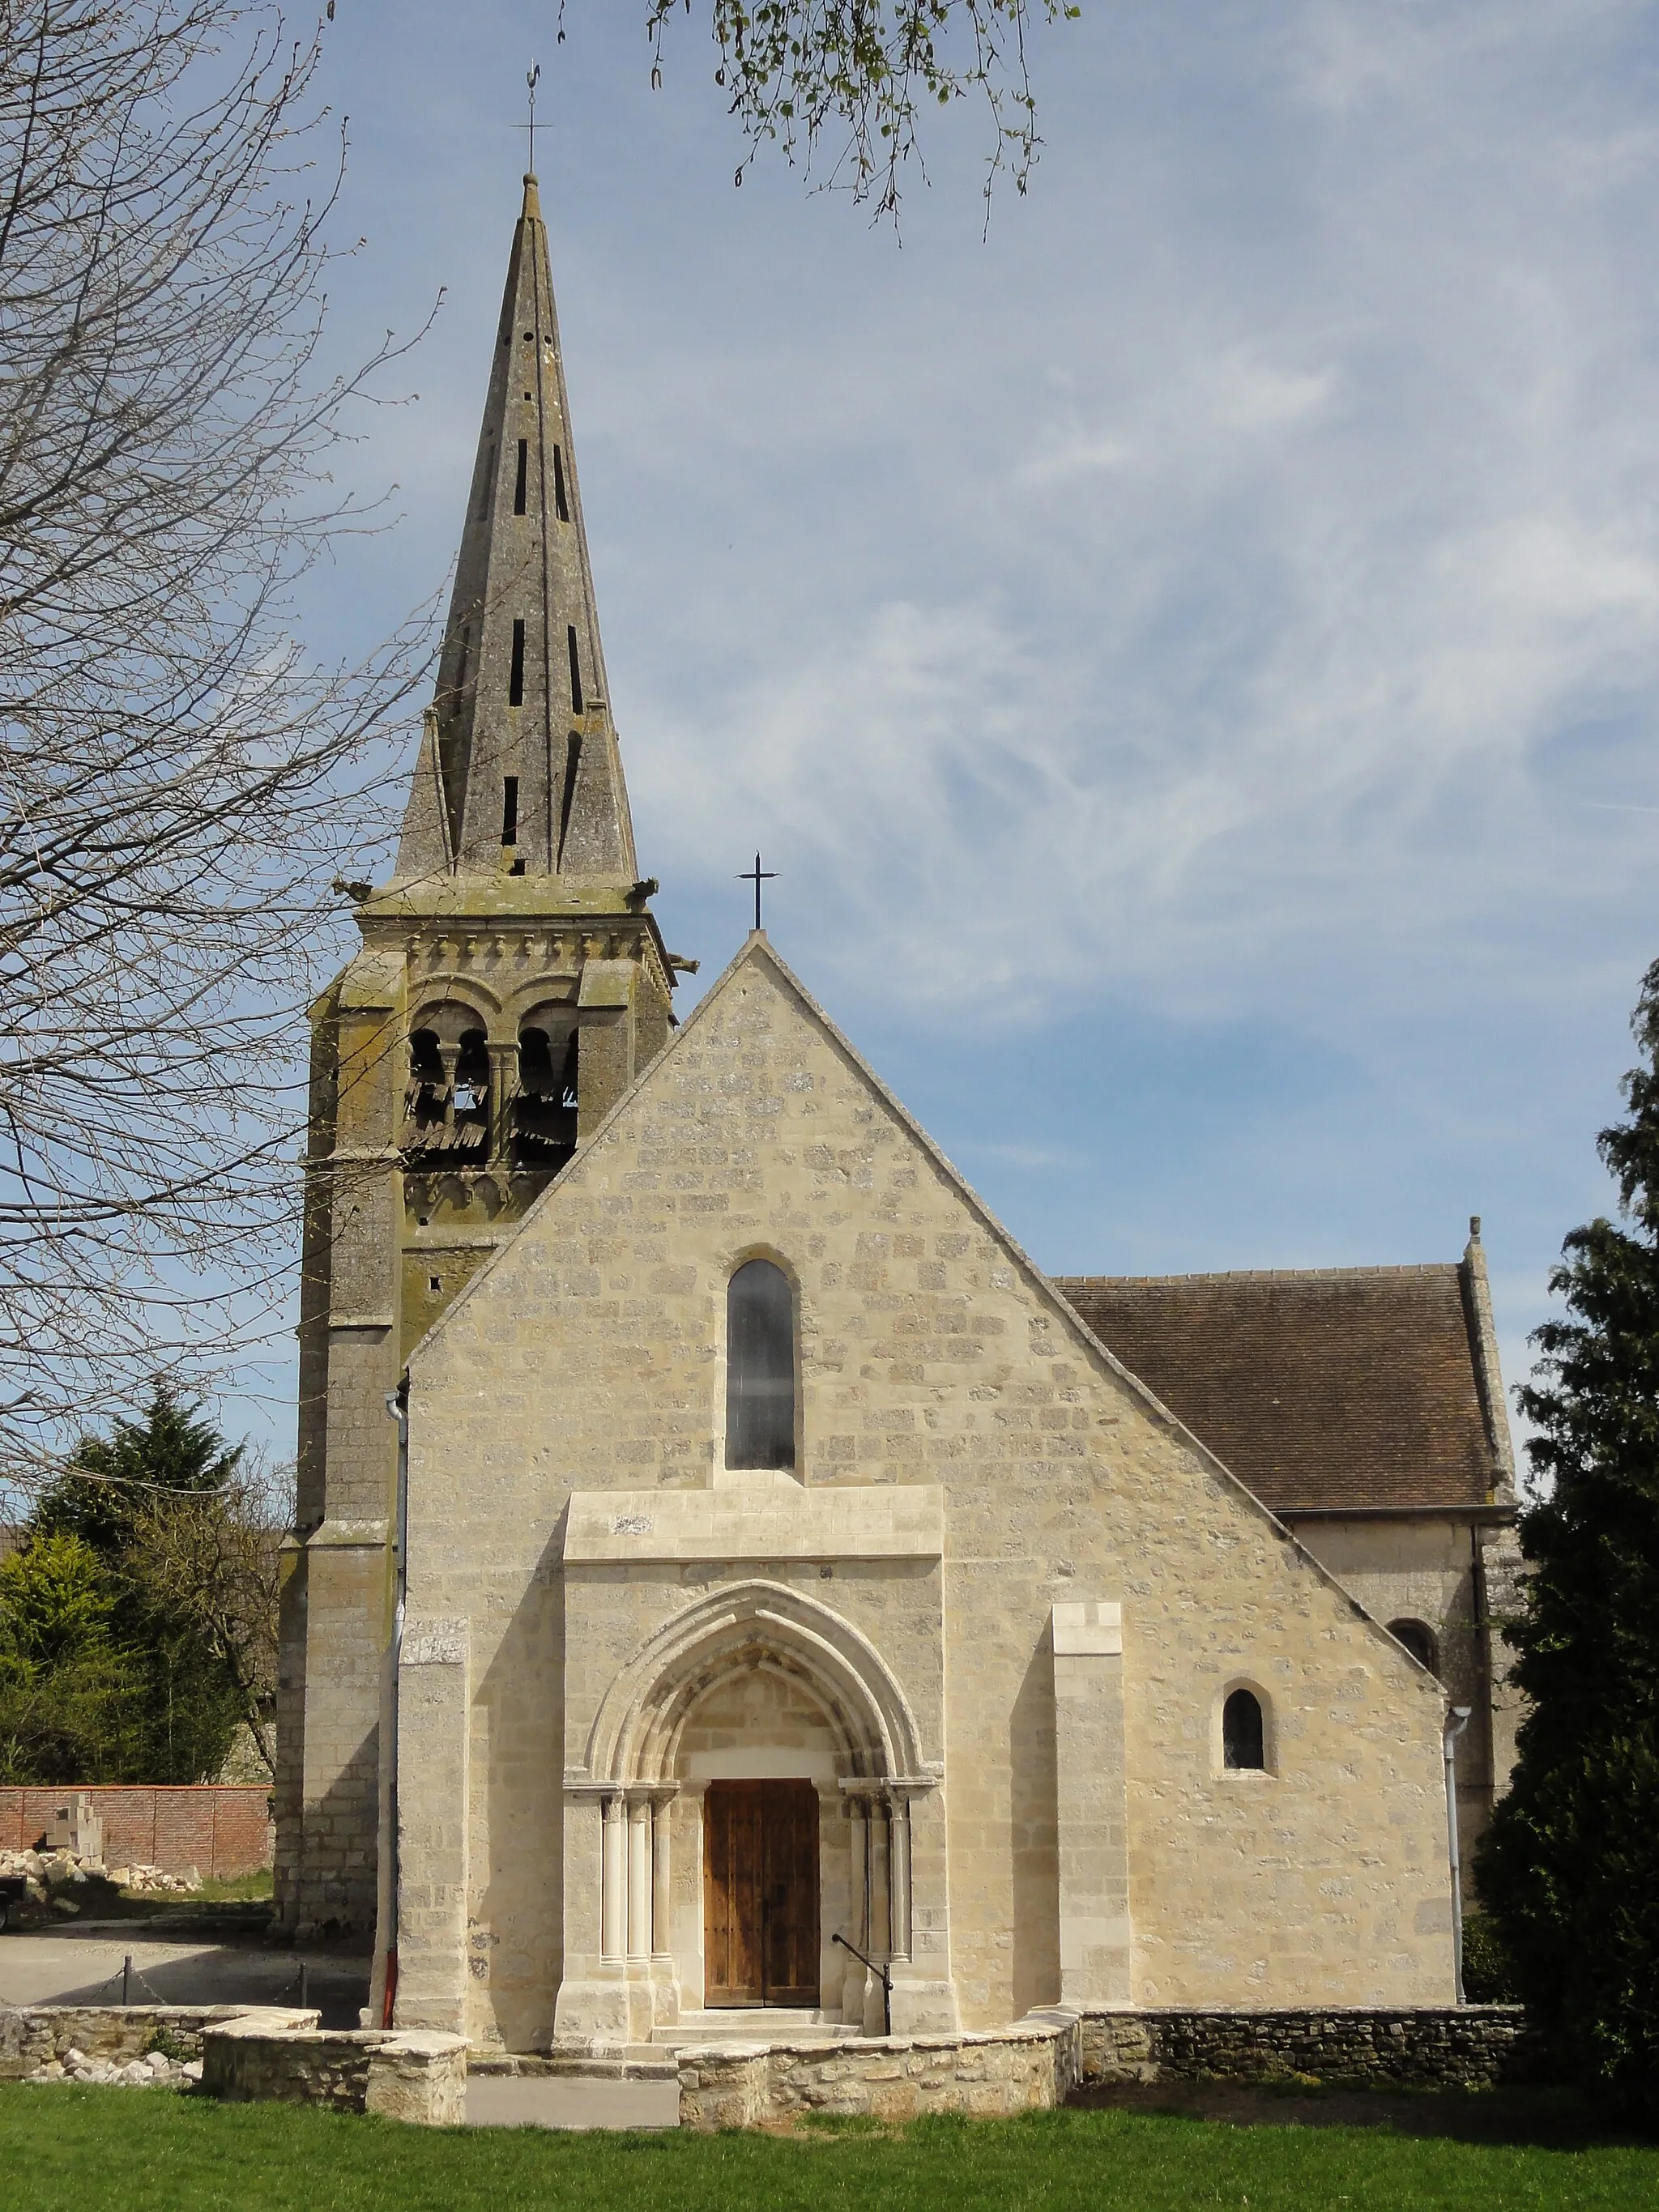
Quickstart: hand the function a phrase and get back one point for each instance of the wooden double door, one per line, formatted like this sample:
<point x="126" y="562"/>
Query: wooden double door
<point x="760" y="1890"/>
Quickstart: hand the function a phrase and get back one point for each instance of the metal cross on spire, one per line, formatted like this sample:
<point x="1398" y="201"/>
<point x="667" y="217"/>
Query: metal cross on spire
<point x="533" y="78"/>
<point x="758" y="876"/>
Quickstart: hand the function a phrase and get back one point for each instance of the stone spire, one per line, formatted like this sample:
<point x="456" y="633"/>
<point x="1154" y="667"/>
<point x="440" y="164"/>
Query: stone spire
<point x="519" y="772"/>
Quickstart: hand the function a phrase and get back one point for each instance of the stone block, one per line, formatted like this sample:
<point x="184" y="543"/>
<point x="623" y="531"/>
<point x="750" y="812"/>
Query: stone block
<point x="419" y="2076"/>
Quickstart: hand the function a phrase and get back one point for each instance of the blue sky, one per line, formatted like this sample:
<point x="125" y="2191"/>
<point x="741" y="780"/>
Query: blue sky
<point x="1190" y="654"/>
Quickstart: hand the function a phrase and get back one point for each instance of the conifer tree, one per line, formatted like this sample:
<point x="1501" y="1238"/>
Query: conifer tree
<point x="72" y="1700"/>
<point x="1570" y="1868"/>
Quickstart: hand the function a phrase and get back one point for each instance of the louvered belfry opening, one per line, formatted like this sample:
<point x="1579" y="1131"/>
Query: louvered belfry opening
<point x="544" y="1112"/>
<point x="447" y="1099"/>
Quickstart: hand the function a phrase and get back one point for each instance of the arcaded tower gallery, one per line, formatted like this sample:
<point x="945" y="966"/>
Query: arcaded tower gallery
<point x="790" y="1589"/>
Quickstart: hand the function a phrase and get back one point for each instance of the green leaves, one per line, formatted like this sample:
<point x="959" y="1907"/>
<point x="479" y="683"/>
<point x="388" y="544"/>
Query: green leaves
<point x="799" y="69"/>
<point x="70" y="1693"/>
<point x="119" y="1622"/>
<point x="55" y="1599"/>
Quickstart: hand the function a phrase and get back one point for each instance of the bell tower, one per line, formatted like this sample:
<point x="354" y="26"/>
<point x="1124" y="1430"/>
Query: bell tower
<point x="512" y="980"/>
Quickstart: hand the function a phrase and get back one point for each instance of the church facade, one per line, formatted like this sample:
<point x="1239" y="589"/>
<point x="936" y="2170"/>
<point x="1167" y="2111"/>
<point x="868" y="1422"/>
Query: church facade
<point x="730" y="1575"/>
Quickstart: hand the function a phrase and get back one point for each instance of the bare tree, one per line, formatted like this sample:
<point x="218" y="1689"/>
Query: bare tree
<point x="210" y="1562"/>
<point x="179" y="784"/>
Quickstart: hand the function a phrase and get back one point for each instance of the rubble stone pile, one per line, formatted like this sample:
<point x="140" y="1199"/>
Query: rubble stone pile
<point x="154" y="2070"/>
<point x="152" y="1880"/>
<point x="56" y="1879"/>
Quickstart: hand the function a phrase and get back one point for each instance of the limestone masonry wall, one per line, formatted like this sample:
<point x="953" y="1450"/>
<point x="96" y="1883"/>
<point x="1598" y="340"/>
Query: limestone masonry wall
<point x="1023" y="2068"/>
<point x="37" y="2035"/>
<point x="588" y="1359"/>
<point x="1425" y="2047"/>
<point x="222" y="1829"/>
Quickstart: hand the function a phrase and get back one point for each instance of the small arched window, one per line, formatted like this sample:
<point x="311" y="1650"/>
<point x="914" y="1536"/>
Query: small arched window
<point x="760" y="1367"/>
<point x="1242" y="1737"/>
<point x="1420" y="1640"/>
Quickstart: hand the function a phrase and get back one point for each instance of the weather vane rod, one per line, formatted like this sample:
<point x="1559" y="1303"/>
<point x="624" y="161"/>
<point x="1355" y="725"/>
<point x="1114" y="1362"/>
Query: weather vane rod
<point x="758" y="876"/>
<point x="533" y="78"/>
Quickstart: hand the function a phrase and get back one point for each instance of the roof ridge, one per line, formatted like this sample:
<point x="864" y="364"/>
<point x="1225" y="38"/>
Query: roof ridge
<point x="1276" y="1274"/>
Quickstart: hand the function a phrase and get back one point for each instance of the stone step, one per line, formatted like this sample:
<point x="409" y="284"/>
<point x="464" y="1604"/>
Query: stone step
<point x="755" y="2024"/>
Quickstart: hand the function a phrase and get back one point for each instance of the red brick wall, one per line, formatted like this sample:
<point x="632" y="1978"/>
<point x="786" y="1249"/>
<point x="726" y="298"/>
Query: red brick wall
<point x="219" y="1828"/>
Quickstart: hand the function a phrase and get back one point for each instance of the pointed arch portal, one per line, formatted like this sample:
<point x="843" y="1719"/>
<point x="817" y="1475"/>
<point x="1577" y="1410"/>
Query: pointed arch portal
<point x="843" y="1829"/>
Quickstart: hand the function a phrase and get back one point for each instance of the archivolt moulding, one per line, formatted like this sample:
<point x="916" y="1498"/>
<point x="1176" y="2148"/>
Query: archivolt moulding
<point x="639" y="1717"/>
<point x="436" y="994"/>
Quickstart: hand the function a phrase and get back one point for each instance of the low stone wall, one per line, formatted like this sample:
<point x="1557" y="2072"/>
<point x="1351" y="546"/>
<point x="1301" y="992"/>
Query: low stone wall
<point x="890" y="2077"/>
<point x="42" y="2035"/>
<point x="272" y="2053"/>
<point x="1041" y="2060"/>
<point x="1427" y="2047"/>
<point x="413" y="2075"/>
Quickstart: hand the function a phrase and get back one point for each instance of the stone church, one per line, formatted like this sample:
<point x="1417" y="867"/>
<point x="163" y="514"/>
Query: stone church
<point x="730" y="1577"/>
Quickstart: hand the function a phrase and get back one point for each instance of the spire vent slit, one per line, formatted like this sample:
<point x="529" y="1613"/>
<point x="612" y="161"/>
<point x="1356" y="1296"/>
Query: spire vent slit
<point x="522" y="482"/>
<point x="510" y="811"/>
<point x="515" y="677"/>
<point x="575" y="671"/>
<point x="573" y="761"/>
<point x="559" y="507"/>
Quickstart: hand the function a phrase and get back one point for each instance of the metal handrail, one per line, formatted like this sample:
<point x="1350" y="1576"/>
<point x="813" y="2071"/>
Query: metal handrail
<point x="886" y="1980"/>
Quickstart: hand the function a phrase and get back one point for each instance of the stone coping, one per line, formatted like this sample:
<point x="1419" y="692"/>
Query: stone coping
<point x="266" y="2024"/>
<point x="641" y="2062"/>
<point x="860" y="2046"/>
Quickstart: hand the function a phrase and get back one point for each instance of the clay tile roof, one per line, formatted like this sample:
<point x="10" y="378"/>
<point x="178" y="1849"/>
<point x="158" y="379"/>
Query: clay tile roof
<point x="1347" y="1387"/>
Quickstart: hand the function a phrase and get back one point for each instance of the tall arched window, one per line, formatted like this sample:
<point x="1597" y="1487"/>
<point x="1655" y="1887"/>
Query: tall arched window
<point x="1420" y="1640"/>
<point x="760" y="1367"/>
<point x="1242" y="1737"/>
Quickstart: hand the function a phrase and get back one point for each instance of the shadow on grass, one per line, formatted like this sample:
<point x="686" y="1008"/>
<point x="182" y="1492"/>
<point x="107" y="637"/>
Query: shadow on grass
<point x="1543" y="2118"/>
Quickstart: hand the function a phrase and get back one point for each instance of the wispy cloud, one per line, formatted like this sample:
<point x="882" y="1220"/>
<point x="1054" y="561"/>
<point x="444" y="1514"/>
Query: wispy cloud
<point x="1224" y="604"/>
<point x="1033" y="1157"/>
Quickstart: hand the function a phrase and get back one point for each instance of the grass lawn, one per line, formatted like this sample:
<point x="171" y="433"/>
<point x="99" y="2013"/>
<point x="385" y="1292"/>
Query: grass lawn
<point x="236" y="1888"/>
<point x="144" y="2151"/>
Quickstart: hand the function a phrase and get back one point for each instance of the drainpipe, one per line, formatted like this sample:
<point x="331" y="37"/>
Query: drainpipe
<point x="397" y="1406"/>
<point x="1456" y="1721"/>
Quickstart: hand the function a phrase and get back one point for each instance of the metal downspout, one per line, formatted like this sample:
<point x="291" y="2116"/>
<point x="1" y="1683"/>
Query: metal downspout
<point x="397" y="1406"/>
<point x="1456" y="1721"/>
